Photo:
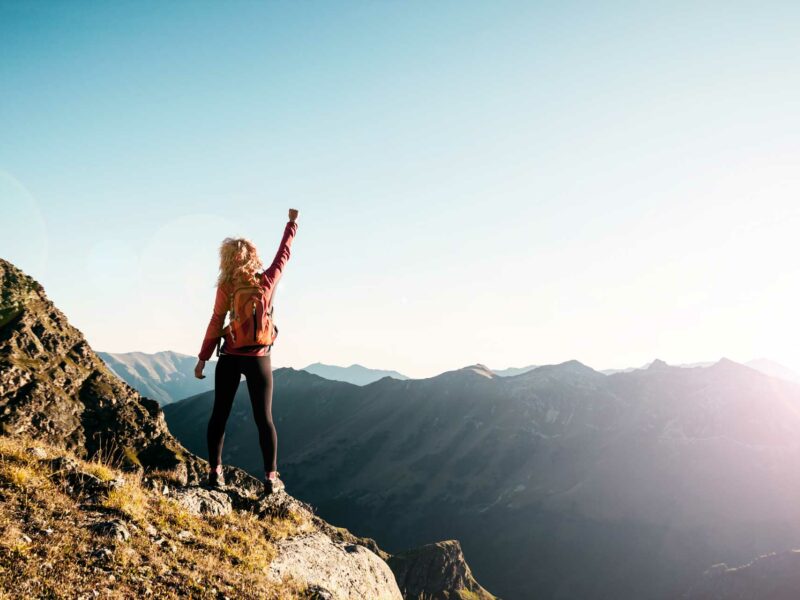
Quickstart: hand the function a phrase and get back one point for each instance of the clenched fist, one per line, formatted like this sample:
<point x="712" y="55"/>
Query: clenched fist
<point x="293" y="212"/>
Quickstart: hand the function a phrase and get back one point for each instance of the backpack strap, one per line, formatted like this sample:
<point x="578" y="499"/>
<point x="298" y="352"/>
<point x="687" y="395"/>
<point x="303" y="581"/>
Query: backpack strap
<point x="271" y="310"/>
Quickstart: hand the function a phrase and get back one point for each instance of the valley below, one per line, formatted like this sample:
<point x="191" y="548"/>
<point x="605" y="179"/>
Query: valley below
<point x="561" y="482"/>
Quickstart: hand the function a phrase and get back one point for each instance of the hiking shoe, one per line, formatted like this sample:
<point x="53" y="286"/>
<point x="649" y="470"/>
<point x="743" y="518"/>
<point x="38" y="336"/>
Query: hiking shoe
<point x="273" y="485"/>
<point x="215" y="479"/>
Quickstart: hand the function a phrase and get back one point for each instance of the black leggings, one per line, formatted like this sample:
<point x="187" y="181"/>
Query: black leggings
<point x="258" y="373"/>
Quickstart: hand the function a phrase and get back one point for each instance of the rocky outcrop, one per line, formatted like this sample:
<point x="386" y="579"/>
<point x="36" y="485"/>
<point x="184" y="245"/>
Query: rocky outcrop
<point x="54" y="387"/>
<point x="199" y="501"/>
<point x="436" y="572"/>
<point x="769" y="577"/>
<point x="346" y="570"/>
<point x="144" y="535"/>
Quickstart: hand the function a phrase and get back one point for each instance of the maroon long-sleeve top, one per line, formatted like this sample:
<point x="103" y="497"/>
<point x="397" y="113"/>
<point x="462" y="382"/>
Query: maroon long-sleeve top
<point x="268" y="278"/>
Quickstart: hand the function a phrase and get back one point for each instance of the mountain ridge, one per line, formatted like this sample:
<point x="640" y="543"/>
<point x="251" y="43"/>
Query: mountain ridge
<point x="165" y="376"/>
<point x="534" y="458"/>
<point x="355" y="373"/>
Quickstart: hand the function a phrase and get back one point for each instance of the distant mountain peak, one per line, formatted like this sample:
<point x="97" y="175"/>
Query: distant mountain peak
<point x="573" y="364"/>
<point x="511" y="371"/>
<point x="480" y="369"/>
<point x="355" y="373"/>
<point x="292" y="374"/>
<point x="468" y="371"/>
<point x="657" y="364"/>
<point x="423" y="571"/>
<point x="569" y="369"/>
<point x="569" y="366"/>
<point x="727" y="363"/>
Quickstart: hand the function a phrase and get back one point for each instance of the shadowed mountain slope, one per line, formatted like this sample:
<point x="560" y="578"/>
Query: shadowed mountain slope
<point x="774" y="576"/>
<point x="559" y="482"/>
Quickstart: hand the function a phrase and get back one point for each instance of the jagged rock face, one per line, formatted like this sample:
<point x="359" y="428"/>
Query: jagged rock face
<point x="770" y="577"/>
<point x="54" y="387"/>
<point x="436" y="572"/>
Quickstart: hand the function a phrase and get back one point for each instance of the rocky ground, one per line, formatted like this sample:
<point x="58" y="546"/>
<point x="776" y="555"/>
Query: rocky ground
<point x="71" y="528"/>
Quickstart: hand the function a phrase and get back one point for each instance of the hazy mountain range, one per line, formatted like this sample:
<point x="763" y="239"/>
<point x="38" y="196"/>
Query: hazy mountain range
<point x="355" y="374"/>
<point x="164" y="376"/>
<point x="169" y="376"/>
<point x="764" y="365"/>
<point x="561" y="482"/>
<point x="770" y="367"/>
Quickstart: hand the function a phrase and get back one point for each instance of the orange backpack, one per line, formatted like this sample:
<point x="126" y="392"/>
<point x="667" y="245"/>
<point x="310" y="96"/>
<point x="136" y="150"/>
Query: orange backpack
<point x="250" y="321"/>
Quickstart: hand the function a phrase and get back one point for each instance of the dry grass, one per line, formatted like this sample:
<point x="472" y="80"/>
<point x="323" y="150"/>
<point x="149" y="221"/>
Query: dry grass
<point x="130" y="499"/>
<point x="165" y="476"/>
<point x="48" y="549"/>
<point x="101" y="471"/>
<point x="20" y="476"/>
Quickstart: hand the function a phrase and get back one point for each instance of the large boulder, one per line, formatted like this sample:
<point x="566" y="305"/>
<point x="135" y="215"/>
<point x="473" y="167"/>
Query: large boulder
<point x="436" y="572"/>
<point x="339" y="570"/>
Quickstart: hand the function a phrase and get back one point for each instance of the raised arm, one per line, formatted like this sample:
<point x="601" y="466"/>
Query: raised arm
<point x="271" y="275"/>
<point x="214" y="329"/>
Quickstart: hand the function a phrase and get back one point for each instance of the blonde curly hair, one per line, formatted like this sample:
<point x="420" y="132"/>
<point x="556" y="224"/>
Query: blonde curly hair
<point x="238" y="262"/>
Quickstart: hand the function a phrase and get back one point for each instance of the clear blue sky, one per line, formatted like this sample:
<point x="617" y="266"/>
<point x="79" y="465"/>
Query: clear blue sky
<point x="497" y="182"/>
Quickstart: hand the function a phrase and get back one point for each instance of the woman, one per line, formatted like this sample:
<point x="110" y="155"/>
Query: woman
<point x="239" y="266"/>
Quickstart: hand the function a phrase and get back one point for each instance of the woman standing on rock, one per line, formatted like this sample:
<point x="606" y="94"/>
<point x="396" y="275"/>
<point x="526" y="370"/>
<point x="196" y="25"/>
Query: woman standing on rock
<point x="245" y="291"/>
